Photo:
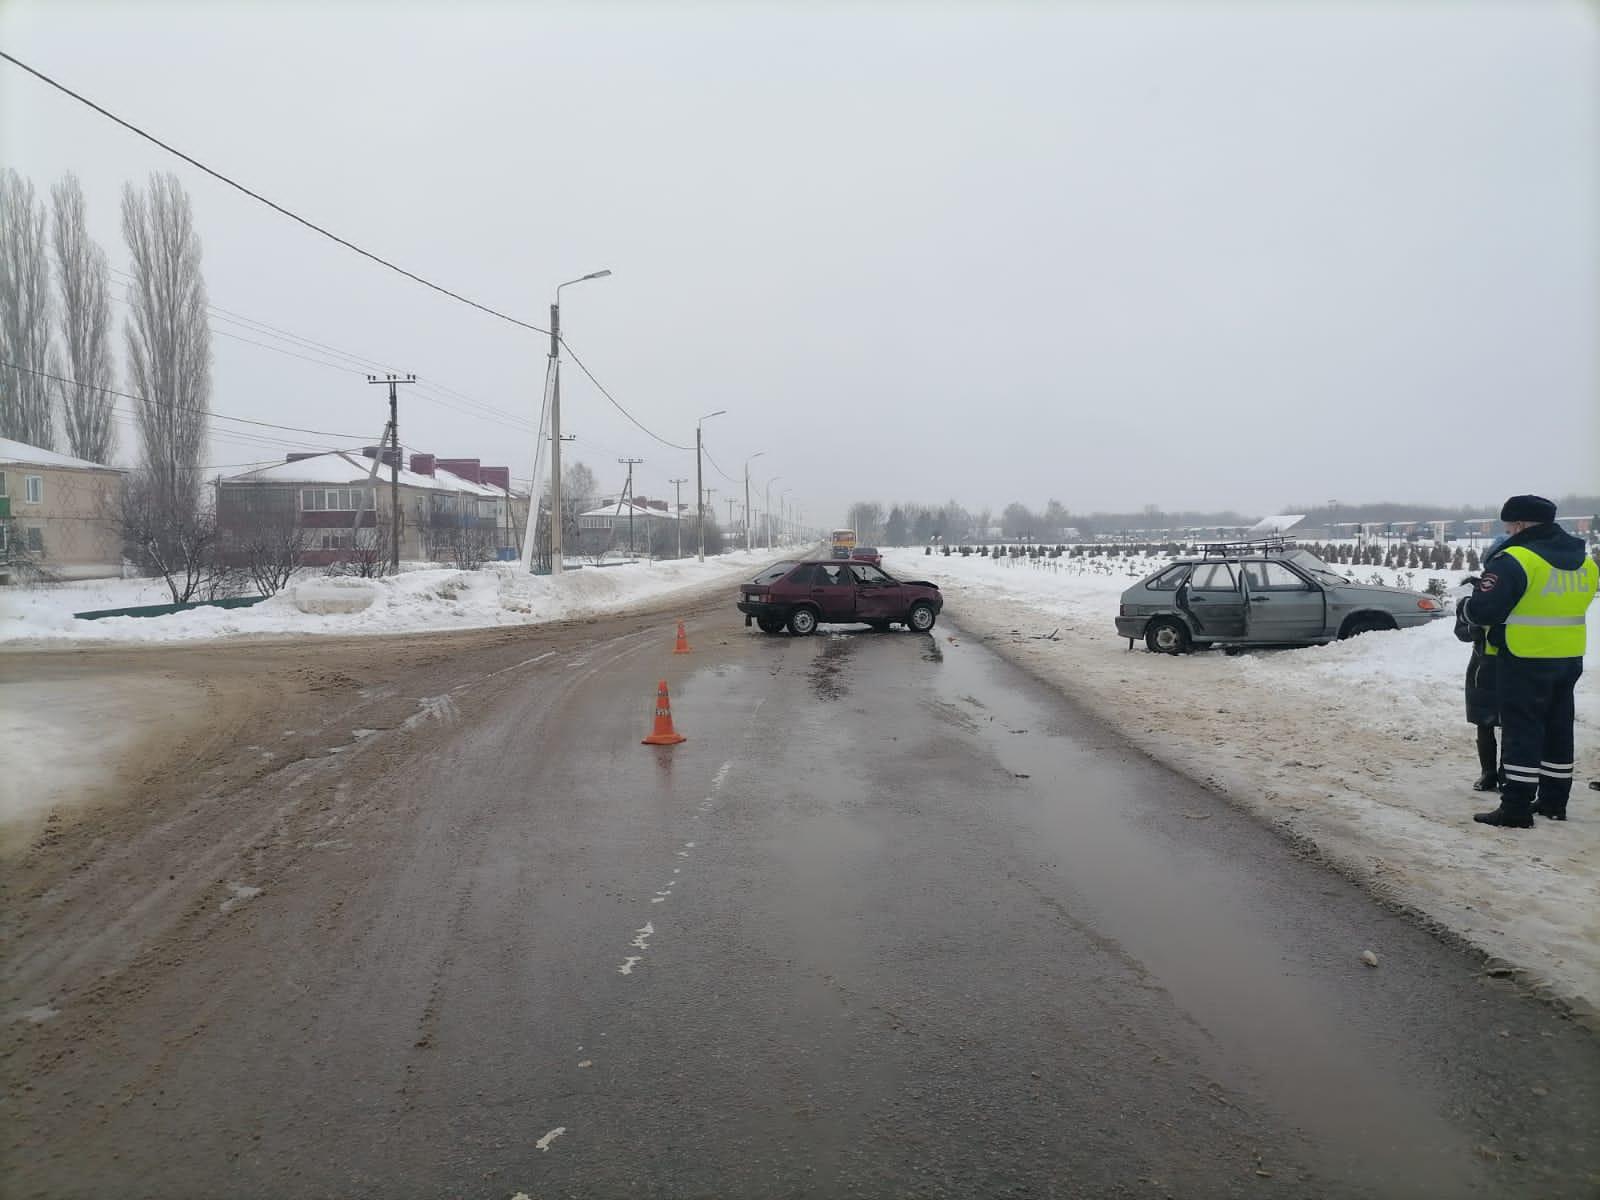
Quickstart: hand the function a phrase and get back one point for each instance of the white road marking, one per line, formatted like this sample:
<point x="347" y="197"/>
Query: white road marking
<point x="433" y="708"/>
<point x="241" y="893"/>
<point x="627" y="964"/>
<point x="643" y="936"/>
<point x="588" y="1062"/>
<point x="527" y="662"/>
<point x="544" y="1142"/>
<point x="722" y="773"/>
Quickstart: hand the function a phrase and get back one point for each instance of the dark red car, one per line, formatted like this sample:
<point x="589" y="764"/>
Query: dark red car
<point x="867" y="554"/>
<point x="802" y="595"/>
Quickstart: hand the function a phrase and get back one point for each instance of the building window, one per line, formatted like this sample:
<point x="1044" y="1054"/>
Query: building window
<point x="35" y="539"/>
<point x="35" y="488"/>
<point x="3" y="491"/>
<point x="336" y="499"/>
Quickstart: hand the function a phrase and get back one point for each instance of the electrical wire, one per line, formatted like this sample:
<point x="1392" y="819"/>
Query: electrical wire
<point x="169" y="404"/>
<point x="293" y="216"/>
<point x="479" y="409"/>
<point x="615" y="404"/>
<point x="714" y="463"/>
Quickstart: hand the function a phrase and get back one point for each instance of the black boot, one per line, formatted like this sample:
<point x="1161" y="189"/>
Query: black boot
<point x="1515" y="801"/>
<point x="1488" y="761"/>
<point x="1504" y="818"/>
<point x="1556" y="810"/>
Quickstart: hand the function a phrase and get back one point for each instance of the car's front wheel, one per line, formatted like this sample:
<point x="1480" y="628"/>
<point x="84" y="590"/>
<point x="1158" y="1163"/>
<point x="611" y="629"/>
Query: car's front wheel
<point x="921" y="617"/>
<point x="1165" y="635"/>
<point x="802" y="622"/>
<point x="1364" y="623"/>
<point x="770" y="624"/>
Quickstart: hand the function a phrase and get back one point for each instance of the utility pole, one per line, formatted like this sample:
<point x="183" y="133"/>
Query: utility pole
<point x="629" y="463"/>
<point x="394" y="463"/>
<point x="731" y="503"/>
<point x="556" y="549"/>
<point x="677" y="509"/>
<point x="700" y="493"/>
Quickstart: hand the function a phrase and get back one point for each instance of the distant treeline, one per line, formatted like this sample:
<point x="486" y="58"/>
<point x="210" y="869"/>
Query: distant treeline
<point x="911" y="522"/>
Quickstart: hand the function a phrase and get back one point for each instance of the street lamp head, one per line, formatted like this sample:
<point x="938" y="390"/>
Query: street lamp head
<point x="583" y="278"/>
<point x="708" y="416"/>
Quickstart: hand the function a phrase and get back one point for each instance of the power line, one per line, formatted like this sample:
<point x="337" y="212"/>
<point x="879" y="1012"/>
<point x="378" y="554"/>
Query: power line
<point x="481" y="410"/>
<point x="614" y="402"/>
<point x="169" y="404"/>
<point x="218" y="175"/>
<point x="714" y="463"/>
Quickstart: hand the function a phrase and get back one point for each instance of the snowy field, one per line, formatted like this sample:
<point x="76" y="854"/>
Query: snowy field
<point x="429" y="599"/>
<point x="1361" y="747"/>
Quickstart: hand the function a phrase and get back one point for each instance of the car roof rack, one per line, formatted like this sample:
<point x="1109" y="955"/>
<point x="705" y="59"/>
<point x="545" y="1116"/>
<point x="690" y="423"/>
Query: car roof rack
<point x="1272" y="545"/>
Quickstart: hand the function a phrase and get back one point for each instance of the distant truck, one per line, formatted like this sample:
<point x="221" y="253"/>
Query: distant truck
<point x="844" y="541"/>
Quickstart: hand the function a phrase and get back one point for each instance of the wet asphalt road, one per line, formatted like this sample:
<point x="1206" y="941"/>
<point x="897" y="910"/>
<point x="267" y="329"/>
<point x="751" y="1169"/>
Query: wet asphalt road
<point x="895" y="921"/>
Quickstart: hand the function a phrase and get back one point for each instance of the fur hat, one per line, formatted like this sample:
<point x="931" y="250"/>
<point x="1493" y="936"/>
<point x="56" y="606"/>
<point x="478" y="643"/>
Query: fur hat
<point x="1536" y="509"/>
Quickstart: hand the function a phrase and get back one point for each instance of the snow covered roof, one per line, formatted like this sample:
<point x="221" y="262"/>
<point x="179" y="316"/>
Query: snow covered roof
<point x="340" y="467"/>
<point x="32" y="456"/>
<point x="621" y="510"/>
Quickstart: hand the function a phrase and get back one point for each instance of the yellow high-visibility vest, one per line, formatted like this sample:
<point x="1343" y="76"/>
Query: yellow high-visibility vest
<point x="1549" y="620"/>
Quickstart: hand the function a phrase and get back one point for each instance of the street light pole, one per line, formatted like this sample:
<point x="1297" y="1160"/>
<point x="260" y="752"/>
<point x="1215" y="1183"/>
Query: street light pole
<point x="557" y="550"/>
<point x="699" y="485"/>
<point x="783" y="513"/>
<point x="747" y="463"/>
<point x="770" y="482"/>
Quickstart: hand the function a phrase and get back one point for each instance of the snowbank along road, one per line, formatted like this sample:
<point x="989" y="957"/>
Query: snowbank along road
<point x="420" y="917"/>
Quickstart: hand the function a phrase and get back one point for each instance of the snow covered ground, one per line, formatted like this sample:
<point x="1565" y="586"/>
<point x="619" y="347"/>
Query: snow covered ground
<point x="416" y="600"/>
<point x="1361" y="747"/>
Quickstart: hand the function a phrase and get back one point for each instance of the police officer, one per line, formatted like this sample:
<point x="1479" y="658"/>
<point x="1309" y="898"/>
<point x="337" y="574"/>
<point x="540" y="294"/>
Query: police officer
<point x="1532" y="598"/>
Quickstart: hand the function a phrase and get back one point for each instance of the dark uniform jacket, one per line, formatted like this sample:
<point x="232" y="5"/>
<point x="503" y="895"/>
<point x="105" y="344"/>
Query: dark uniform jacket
<point x="1483" y="698"/>
<point x="1504" y="581"/>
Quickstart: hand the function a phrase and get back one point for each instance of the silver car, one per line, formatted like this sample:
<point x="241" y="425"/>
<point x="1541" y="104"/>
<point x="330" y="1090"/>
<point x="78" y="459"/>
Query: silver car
<point x="1261" y="594"/>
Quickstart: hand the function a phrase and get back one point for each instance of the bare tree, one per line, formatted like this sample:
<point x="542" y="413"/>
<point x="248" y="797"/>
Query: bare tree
<point x="270" y="550"/>
<point x="471" y="546"/>
<point x="177" y="541"/>
<point x="25" y="392"/>
<point x="84" y="279"/>
<point x="169" y="342"/>
<point x="368" y="555"/>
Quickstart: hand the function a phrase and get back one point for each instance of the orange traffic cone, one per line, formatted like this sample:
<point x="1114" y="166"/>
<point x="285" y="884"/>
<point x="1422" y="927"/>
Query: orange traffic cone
<point x="683" y="641"/>
<point x="663" y="734"/>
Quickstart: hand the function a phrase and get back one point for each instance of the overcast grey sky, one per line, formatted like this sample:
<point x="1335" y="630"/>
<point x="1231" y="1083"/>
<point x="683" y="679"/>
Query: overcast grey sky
<point x="1196" y="255"/>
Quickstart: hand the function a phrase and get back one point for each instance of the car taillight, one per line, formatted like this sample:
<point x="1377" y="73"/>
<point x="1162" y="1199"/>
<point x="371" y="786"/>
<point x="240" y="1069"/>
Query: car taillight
<point x="1427" y="604"/>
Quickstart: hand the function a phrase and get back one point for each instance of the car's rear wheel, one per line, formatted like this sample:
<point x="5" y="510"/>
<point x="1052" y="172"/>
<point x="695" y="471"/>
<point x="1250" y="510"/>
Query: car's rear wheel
<point x="1166" y="635"/>
<point x="1364" y="623"/>
<point x="770" y="624"/>
<point x="802" y="622"/>
<point x="921" y="617"/>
